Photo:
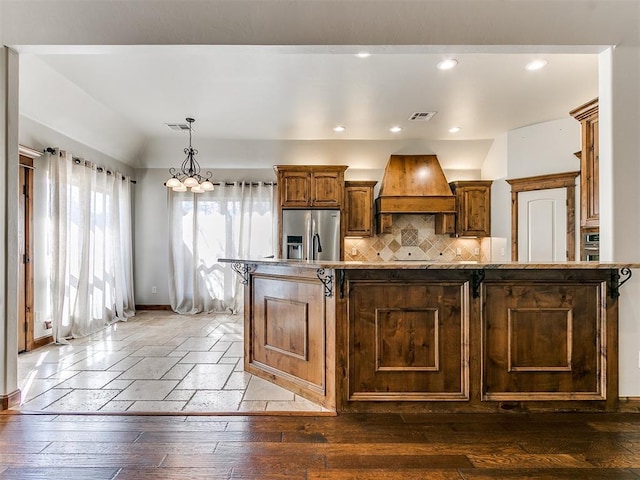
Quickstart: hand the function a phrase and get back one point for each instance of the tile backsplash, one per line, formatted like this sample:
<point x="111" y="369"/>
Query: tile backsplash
<point x="413" y="237"/>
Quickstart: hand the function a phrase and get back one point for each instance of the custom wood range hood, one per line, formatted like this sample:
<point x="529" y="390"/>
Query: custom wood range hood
<point x="412" y="184"/>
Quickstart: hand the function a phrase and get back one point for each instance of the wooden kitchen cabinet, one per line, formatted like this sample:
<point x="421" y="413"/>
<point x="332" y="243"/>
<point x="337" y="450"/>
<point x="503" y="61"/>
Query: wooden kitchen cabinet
<point x="473" y="210"/>
<point x="310" y="186"/>
<point x="358" y="200"/>
<point x="587" y="115"/>
<point x="371" y="337"/>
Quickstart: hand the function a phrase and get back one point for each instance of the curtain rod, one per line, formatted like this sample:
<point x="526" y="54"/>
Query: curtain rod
<point x="253" y="184"/>
<point x="78" y="160"/>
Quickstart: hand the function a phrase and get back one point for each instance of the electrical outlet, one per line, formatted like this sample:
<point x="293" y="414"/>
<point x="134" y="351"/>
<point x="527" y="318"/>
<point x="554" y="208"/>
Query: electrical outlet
<point x="354" y="251"/>
<point x="502" y="252"/>
<point x="476" y="251"/>
<point x="154" y="289"/>
<point x="458" y="251"/>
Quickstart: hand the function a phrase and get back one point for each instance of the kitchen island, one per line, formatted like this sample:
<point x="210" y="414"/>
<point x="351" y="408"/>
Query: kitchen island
<point x="434" y="336"/>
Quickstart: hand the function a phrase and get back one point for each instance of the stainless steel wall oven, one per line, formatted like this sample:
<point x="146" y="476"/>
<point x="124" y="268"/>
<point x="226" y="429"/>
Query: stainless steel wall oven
<point x="591" y="247"/>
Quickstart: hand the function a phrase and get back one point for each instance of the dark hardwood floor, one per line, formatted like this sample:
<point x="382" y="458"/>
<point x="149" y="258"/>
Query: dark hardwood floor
<point x="376" y="447"/>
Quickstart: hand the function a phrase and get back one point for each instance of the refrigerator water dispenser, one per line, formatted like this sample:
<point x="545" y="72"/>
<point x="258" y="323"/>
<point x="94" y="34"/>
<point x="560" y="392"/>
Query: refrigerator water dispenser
<point x="294" y="247"/>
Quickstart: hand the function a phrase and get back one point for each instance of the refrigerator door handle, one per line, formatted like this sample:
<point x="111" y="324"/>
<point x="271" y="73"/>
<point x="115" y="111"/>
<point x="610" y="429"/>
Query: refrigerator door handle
<point x="308" y="228"/>
<point x="317" y="250"/>
<point x="313" y="232"/>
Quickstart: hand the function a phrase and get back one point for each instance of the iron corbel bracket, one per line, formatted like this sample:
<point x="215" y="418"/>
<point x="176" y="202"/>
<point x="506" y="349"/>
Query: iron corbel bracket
<point x="616" y="283"/>
<point x="327" y="281"/>
<point x="244" y="270"/>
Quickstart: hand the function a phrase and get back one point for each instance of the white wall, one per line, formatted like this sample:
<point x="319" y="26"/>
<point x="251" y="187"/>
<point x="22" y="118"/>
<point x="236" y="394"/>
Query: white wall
<point x="495" y="167"/>
<point x="8" y="221"/>
<point x="37" y="136"/>
<point x="99" y="127"/>
<point x="619" y="122"/>
<point x="544" y="148"/>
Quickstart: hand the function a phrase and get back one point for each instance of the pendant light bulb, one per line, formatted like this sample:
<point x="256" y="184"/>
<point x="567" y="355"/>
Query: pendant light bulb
<point x="190" y="182"/>
<point x="207" y="186"/>
<point x="173" y="182"/>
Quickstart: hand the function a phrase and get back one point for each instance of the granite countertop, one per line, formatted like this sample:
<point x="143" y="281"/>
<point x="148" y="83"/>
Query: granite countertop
<point x="434" y="265"/>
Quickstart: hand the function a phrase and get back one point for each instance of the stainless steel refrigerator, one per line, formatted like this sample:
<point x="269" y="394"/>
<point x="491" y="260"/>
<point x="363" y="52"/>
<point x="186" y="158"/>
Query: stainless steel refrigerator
<point x="311" y="234"/>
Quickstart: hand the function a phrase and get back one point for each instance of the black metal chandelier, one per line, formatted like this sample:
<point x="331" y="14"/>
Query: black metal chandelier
<point x="189" y="177"/>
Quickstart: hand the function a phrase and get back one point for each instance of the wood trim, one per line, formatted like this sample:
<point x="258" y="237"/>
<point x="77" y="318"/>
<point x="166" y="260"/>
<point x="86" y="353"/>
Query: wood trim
<point x="42" y="341"/>
<point x="629" y="404"/>
<point x="310" y="168"/>
<point x="166" y="308"/>
<point x="544" y="182"/>
<point x="10" y="400"/>
<point x="26" y="161"/>
<point x="589" y="109"/>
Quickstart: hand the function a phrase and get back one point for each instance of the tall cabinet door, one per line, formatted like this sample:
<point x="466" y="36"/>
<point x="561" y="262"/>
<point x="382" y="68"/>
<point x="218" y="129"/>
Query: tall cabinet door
<point x="587" y="115"/>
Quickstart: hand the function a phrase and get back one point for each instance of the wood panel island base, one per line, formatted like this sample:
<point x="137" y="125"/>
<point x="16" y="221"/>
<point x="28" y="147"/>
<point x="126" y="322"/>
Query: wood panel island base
<point x="441" y="337"/>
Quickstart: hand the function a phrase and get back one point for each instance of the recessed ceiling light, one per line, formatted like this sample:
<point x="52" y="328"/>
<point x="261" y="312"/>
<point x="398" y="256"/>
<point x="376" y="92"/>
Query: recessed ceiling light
<point x="339" y="128"/>
<point x="454" y="129"/>
<point x="363" y="54"/>
<point x="447" y="64"/>
<point x="395" y="129"/>
<point x="536" y="65"/>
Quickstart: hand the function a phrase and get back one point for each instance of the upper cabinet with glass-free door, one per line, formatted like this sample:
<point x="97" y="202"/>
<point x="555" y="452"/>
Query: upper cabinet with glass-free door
<point x="587" y="115"/>
<point x="358" y="204"/>
<point x="310" y="186"/>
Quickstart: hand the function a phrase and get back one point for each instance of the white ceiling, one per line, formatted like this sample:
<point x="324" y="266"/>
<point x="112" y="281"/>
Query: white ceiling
<point x="122" y="96"/>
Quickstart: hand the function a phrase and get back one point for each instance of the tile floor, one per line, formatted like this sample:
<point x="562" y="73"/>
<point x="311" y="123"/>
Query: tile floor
<point x="155" y="362"/>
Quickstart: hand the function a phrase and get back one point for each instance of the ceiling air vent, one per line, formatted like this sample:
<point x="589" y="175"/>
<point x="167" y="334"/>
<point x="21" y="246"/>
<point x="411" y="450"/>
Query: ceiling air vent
<point x="178" y="126"/>
<point x="422" y="116"/>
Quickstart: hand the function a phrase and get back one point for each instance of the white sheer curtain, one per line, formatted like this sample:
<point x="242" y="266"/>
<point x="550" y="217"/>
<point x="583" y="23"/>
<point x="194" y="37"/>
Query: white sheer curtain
<point x="90" y="247"/>
<point x="232" y="221"/>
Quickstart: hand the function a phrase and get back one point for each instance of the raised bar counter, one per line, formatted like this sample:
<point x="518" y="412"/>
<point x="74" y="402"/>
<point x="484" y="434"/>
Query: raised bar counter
<point x="436" y="336"/>
<point x="432" y="264"/>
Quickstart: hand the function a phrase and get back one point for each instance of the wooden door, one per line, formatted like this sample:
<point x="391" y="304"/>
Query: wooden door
<point x="358" y="199"/>
<point x="474" y="210"/>
<point x="25" y="275"/>
<point x="542" y="225"/>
